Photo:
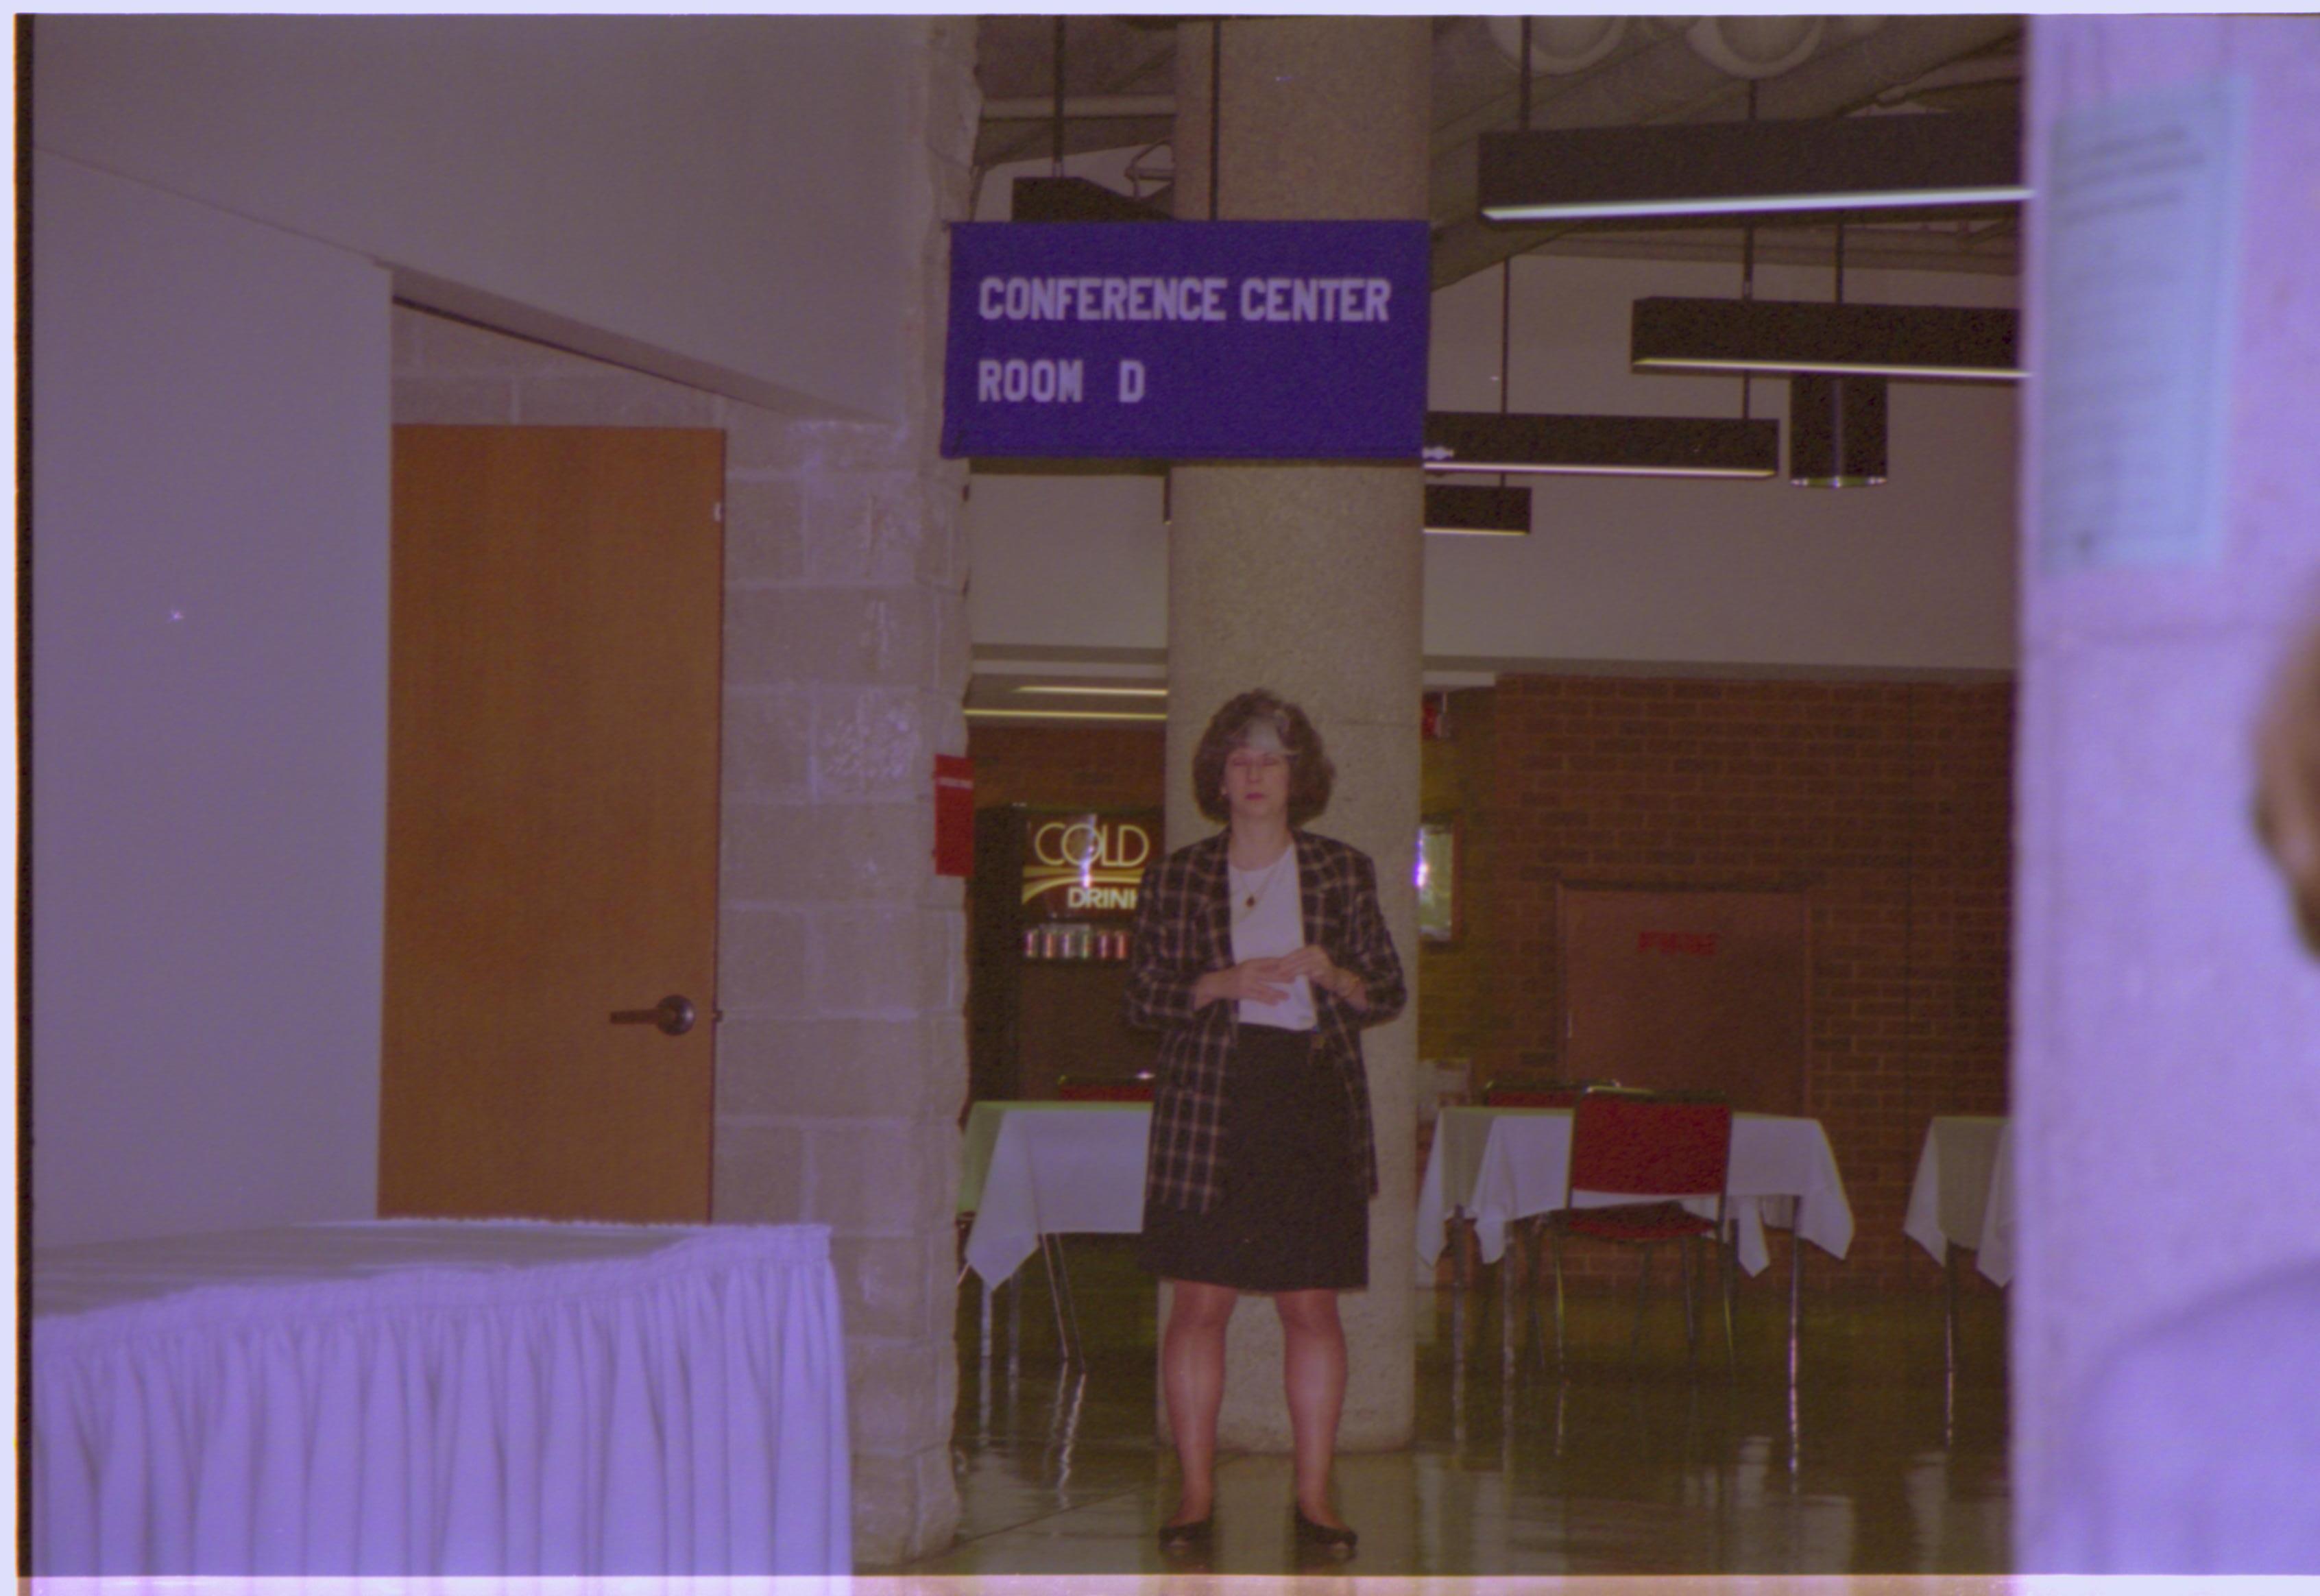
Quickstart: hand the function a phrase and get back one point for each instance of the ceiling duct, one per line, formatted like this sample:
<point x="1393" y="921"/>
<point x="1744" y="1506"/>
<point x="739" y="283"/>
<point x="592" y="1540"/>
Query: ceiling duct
<point x="1559" y="45"/>
<point x="1757" y="46"/>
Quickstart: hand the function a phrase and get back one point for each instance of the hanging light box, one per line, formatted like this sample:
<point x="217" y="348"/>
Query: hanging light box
<point x="1836" y="431"/>
<point x="1454" y="508"/>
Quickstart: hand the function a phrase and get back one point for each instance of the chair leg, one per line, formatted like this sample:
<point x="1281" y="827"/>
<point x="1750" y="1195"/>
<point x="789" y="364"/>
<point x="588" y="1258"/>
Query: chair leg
<point x="1643" y="1290"/>
<point x="1724" y="1283"/>
<point x="1534" y="1332"/>
<point x="1509" y="1266"/>
<point x="1059" y="1292"/>
<point x="1949" y="1310"/>
<point x="1555" y="1239"/>
<point x="1691" y="1320"/>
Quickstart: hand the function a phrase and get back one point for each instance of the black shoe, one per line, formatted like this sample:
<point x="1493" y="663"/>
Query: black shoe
<point x="1194" y="1536"/>
<point x="1309" y="1534"/>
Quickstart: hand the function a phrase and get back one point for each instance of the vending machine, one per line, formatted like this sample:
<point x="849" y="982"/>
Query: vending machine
<point x="1053" y="895"/>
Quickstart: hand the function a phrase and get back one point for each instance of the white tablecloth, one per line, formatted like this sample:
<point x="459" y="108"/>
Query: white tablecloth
<point x="1963" y="1194"/>
<point x="1034" y="1169"/>
<point x="1502" y="1164"/>
<point x="433" y="1398"/>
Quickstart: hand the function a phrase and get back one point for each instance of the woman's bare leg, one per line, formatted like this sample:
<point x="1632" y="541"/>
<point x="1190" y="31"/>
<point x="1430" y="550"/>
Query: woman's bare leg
<point x="1193" y="1379"/>
<point x="1313" y="1368"/>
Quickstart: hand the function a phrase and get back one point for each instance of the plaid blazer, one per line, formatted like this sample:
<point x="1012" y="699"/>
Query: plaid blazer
<point x="1183" y="929"/>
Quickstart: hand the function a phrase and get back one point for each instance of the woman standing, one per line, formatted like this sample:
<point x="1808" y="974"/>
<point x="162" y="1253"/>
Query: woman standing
<point x="1260" y="954"/>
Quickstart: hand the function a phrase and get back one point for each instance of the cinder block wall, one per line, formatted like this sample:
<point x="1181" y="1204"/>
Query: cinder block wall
<point x="1890" y="803"/>
<point x="841" y="1061"/>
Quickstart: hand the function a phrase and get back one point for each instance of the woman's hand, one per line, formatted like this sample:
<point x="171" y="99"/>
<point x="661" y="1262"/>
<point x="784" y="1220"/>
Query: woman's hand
<point x="1253" y="980"/>
<point x="1316" y="966"/>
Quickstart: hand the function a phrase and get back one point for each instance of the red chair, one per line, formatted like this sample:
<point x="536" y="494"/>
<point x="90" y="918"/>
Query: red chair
<point x="1518" y="1091"/>
<point x="1655" y="1147"/>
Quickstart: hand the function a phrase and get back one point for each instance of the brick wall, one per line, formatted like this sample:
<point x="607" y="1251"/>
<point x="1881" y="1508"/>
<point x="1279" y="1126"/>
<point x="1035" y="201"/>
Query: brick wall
<point x="1889" y="804"/>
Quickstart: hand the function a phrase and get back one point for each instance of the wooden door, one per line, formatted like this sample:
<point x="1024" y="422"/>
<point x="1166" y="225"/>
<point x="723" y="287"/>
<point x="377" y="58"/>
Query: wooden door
<point x="1687" y="990"/>
<point x="551" y="821"/>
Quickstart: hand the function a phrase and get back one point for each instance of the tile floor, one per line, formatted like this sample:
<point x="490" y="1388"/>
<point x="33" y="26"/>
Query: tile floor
<point x="1634" y="1463"/>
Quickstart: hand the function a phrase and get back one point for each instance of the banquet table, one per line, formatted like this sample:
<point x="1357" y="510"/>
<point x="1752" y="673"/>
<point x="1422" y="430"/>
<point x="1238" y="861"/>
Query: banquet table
<point x="1964" y="1193"/>
<point x="426" y="1398"/>
<point x="1495" y="1166"/>
<point x="1030" y="1170"/>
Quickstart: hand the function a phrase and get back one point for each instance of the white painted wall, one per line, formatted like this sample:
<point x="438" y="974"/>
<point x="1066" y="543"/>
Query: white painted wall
<point x="1916" y="574"/>
<point x="724" y="200"/>
<point x="209" y="495"/>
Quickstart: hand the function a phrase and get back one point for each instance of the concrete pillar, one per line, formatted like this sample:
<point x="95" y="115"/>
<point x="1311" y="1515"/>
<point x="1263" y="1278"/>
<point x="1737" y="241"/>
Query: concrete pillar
<point x="2165" y="1092"/>
<point x="1305" y="578"/>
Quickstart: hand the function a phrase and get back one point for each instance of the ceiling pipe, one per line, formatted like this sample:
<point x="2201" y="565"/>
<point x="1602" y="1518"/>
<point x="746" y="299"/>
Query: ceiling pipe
<point x="1079" y="107"/>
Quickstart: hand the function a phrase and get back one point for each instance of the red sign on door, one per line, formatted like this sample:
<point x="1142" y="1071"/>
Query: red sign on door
<point x="1700" y="944"/>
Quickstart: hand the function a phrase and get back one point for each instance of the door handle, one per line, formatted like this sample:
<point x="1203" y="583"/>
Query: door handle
<point x="673" y="1015"/>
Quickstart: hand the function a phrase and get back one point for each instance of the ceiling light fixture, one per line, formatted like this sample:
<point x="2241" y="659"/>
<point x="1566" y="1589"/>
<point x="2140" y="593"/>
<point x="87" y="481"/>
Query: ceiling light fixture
<point x="984" y="714"/>
<point x="1836" y="425"/>
<point x="1836" y="431"/>
<point x="1867" y="166"/>
<point x="1094" y="691"/>
<point x="1600" y="445"/>
<point x="1457" y="510"/>
<point x="1470" y="509"/>
<point x="1921" y="342"/>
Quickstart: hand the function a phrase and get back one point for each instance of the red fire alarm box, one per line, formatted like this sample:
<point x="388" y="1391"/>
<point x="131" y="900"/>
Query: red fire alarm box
<point x="953" y="815"/>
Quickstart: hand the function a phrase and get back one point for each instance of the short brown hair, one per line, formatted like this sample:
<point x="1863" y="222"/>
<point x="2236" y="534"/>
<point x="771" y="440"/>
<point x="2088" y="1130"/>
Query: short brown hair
<point x="1310" y="774"/>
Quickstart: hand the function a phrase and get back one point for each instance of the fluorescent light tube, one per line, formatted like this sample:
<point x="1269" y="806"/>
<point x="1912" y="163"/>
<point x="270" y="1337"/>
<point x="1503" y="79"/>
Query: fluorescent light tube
<point x="1864" y="165"/>
<point x="1922" y="342"/>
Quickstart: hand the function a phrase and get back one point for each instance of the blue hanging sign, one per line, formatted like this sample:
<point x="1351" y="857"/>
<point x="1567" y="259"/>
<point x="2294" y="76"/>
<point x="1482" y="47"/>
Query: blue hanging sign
<point x="1187" y="340"/>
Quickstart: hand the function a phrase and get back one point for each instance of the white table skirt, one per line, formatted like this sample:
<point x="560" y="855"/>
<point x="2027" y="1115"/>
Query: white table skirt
<point x="1964" y="1193"/>
<point x="436" y="1397"/>
<point x="1034" y="1169"/>
<point x="1508" y="1163"/>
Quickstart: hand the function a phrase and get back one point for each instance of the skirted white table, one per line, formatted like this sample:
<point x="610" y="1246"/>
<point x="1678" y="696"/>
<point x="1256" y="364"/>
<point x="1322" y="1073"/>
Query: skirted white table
<point x="1494" y="1165"/>
<point x="1963" y="1194"/>
<point x="436" y="1397"/>
<point x="1031" y="1170"/>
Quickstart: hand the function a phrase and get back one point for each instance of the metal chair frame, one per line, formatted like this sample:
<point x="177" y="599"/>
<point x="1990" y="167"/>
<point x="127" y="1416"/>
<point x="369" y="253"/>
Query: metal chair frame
<point x="1603" y="1223"/>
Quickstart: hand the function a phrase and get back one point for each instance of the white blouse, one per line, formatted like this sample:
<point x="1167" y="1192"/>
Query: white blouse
<point x="1273" y="926"/>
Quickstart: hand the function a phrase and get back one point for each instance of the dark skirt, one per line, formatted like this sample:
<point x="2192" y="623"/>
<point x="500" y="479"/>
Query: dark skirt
<point x="1295" y="1213"/>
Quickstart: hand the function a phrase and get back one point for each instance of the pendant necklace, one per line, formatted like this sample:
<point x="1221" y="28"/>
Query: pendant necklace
<point x="1263" y="881"/>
